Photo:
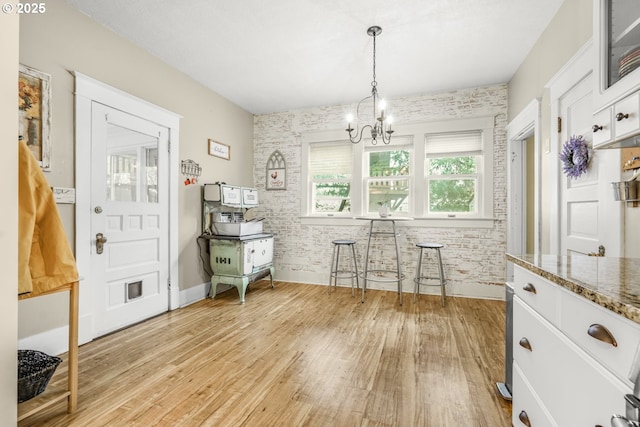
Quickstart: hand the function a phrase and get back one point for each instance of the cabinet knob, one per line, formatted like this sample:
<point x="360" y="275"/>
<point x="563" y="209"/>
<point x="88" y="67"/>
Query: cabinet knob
<point x="601" y="333"/>
<point x="524" y="418"/>
<point x="530" y="288"/>
<point x="620" y="116"/>
<point x="596" y="128"/>
<point x="524" y="343"/>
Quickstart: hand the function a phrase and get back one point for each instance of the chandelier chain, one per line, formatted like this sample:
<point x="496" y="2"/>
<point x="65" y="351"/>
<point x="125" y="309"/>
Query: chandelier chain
<point x="374" y="83"/>
<point x="381" y="125"/>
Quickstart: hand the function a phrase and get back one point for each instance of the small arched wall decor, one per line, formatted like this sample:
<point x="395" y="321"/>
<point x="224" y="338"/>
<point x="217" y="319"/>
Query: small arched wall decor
<point x="276" y="172"/>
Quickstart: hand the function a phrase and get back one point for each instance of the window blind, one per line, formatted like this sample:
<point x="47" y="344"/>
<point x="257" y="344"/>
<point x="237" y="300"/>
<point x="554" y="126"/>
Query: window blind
<point x="330" y="159"/>
<point x="454" y="142"/>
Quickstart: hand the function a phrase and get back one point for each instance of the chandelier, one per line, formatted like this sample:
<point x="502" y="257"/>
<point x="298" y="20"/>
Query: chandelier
<point x="381" y="127"/>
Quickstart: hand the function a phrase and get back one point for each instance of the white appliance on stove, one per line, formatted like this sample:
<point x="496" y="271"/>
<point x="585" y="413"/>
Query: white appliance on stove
<point x="239" y="251"/>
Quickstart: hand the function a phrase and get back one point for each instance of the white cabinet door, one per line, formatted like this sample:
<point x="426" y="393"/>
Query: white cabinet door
<point x="526" y="405"/>
<point x="576" y="390"/>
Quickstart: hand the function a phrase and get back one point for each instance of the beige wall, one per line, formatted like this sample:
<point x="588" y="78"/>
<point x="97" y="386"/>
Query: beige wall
<point x="570" y="29"/>
<point x="8" y="218"/>
<point x="63" y="40"/>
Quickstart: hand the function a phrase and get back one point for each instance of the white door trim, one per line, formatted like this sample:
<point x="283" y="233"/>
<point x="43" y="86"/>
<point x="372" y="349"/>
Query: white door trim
<point x="87" y="91"/>
<point x="578" y="67"/>
<point x="525" y="124"/>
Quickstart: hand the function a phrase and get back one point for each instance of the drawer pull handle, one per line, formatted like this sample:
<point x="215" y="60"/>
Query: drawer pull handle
<point x="596" y="128"/>
<point x="530" y="288"/>
<point x="620" y="117"/>
<point x="601" y="333"/>
<point x="524" y="343"/>
<point x="524" y="418"/>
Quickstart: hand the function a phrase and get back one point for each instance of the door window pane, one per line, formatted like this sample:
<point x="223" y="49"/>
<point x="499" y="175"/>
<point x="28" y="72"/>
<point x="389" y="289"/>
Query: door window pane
<point x="132" y="166"/>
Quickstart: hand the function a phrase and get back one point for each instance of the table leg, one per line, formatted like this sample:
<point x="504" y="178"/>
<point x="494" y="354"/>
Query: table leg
<point x="72" y="403"/>
<point x="366" y="261"/>
<point x="395" y="240"/>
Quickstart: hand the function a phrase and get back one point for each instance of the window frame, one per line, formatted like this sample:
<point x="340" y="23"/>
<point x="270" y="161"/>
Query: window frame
<point x="310" y="182"/>
<point x="478" y="177"/>
<point x="483" y="218"/>
<point x="403" y="142"/>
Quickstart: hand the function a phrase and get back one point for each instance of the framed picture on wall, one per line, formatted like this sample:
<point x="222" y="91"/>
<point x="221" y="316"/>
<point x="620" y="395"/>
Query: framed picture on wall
<point x="276" y="172"/>
<point x="219" y="149"/>
<point x="34" y="113"/>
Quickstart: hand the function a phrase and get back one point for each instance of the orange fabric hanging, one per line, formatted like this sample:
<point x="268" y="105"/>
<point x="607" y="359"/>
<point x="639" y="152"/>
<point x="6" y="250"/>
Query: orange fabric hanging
<point x="45" y="259"/>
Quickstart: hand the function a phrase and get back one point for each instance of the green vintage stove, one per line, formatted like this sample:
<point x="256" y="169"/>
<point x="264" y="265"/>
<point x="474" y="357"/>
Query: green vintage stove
<point x="240" y="252"/>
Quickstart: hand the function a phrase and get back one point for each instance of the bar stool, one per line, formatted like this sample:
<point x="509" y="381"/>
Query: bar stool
<point x="336" y="273"/>
<point x="420" y="279"/>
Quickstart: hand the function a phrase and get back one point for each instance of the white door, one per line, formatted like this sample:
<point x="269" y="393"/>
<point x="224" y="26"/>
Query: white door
<point x="129" y="222"/>
<point x="590" y="220"/>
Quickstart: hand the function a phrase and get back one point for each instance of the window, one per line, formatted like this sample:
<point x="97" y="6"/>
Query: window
<point x="432" y="171"/>
<point x="453" y="172"/>
<point x="387" y="176"/>
<point x="330" y="177"/>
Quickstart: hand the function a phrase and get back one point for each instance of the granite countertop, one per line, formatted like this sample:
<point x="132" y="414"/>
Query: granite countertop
<point x="613" y="283"/>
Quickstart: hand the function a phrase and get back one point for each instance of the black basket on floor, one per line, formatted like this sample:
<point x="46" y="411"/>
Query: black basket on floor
<point x="35" y="369"/>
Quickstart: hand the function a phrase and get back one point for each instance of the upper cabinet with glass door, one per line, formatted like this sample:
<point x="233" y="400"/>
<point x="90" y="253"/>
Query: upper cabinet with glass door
<point x="616" y="35"/>
<point x="617" y="42"/>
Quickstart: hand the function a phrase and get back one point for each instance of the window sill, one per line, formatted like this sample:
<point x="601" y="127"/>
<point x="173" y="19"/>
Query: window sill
<point x="417" y="222"/>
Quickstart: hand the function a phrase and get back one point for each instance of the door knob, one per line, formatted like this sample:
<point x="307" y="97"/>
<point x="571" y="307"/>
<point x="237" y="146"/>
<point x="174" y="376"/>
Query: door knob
<point x="100" y="241"/>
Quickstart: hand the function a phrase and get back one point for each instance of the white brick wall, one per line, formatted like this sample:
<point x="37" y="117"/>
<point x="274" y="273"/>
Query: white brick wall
<point x="473" y="257"/>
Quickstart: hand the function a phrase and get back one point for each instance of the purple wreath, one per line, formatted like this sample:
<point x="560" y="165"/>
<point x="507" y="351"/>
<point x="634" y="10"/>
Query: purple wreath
<point x="575" y="156"/>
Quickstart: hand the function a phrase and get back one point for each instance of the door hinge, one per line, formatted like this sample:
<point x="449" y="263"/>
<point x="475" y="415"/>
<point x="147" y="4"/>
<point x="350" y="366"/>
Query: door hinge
<point x="168" y="283"/>
<point x="169" y="146"/>
<point x="559" y="124"/>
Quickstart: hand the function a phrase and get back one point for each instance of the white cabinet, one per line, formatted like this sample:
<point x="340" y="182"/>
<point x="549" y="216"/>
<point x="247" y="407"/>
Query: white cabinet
<point x="618" y="122"/>
<point x="616" y="68"/>
<point x="557" y="382"/>
<point x="609" y="338"/>
<point x="616" y="36"/>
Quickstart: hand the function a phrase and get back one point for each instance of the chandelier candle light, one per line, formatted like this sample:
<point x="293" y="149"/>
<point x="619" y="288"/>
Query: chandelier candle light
<point x="381" y="126"/>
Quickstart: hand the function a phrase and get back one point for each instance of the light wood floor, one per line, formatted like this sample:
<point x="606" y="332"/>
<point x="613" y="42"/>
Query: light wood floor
<point x="296" y="356"/>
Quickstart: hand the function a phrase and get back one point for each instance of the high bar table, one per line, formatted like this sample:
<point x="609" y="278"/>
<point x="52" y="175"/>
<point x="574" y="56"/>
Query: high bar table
<point x="366" y="274"/>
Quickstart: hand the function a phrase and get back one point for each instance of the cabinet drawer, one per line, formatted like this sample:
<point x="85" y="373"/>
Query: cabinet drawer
<point x="627" y="111"/>
<point x="603" y="127"/>
<point x="537" y="292"/>
<point x="525" y="400"/>
<point x="571" y="385"/>
<point x="538" y="360"/>
<point x="578" y="314"/>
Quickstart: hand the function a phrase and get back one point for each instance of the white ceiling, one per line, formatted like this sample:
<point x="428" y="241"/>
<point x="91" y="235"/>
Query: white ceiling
<point x="270" y="56"/>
